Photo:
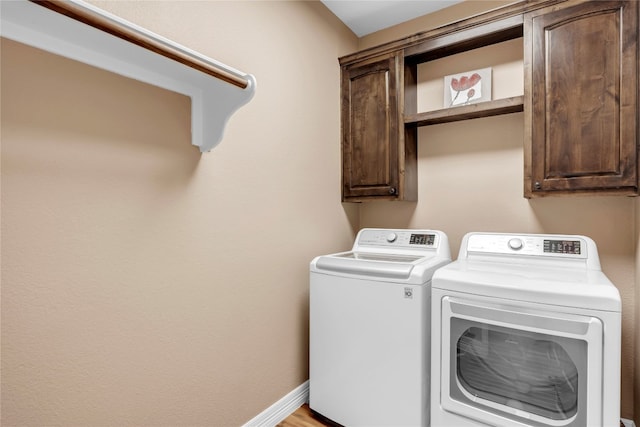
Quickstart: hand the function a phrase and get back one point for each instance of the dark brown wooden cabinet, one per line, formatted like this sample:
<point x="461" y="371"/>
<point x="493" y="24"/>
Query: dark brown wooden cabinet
<point x="581" y="99"/>
<point x="375" y="153"/>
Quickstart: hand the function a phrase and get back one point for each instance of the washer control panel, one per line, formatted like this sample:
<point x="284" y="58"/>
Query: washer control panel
<point x="398" y="238"/>
<point x="528" y="244"/>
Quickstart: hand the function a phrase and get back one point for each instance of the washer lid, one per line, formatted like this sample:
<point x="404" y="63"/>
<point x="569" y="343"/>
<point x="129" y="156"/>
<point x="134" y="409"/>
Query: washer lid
<point x="579" y="288"/>
<point x="409" y="256"/>
<point x="414" y="268"/>
<point x="369" y="264"/>
<point x="370" y="256"/>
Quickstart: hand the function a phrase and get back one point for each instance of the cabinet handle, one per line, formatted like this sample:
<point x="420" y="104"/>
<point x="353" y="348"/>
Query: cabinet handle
<point x="392" y="190"/>
<point x="537" y="185"/>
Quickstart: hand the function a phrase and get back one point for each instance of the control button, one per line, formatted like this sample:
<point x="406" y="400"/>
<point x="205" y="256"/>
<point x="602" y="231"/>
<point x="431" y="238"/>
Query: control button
<point x="391" y="237"/>
<point x="515" y="244"/>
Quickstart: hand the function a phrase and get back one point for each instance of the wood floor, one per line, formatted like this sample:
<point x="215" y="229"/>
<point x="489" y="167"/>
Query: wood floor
<point x="303" y="417"/>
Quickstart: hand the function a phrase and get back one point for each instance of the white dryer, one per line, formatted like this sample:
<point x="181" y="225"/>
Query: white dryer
<point x="525" y="332"/>
<point x="369" y="328"/>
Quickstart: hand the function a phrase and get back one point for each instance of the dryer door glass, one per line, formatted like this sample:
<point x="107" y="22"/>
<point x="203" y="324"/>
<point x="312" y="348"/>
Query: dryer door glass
<point x="529" y="372"/>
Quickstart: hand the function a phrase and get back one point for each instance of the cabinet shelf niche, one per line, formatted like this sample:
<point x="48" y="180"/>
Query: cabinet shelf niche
<point x="466" y="112"/>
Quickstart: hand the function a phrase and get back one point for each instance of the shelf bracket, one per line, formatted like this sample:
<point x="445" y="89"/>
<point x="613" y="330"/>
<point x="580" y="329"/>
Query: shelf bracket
<point x="82" y="32"/>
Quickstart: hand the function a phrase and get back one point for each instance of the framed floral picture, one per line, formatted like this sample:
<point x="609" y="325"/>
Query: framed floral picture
<point x="467" y="88"/>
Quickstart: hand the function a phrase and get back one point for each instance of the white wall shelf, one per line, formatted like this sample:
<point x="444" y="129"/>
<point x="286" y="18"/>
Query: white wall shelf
<point x="82" y="32"/>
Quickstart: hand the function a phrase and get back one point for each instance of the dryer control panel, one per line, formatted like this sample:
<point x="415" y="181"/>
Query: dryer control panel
<point x="562" y="246"/>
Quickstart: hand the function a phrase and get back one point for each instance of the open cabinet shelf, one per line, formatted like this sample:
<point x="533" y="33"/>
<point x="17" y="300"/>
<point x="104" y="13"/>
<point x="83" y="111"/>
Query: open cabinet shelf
<point x="465" y="112"/>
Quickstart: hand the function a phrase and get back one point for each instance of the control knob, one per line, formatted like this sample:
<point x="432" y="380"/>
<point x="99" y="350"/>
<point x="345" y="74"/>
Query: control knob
<point x="515" y="244"/>
<point x="391" y="237"/>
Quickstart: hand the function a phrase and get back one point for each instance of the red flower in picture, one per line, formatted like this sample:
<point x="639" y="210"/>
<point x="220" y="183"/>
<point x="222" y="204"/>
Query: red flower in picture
<point x="465" y="83"/>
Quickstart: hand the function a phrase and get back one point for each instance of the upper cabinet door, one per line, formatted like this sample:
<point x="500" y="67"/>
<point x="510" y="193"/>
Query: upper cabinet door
<point x="581" y="94"/>
<point x="372" y="130"/>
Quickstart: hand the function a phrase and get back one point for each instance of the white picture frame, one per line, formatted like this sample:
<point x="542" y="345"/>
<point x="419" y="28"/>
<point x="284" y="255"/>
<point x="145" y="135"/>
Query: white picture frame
<point x="466" y="88"/>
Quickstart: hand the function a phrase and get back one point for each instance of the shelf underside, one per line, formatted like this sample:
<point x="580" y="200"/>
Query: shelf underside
<point x="466" y="112"/>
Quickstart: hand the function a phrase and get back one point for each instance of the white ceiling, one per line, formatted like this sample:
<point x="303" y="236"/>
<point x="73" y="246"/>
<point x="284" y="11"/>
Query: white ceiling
<point x="368" y="16"/>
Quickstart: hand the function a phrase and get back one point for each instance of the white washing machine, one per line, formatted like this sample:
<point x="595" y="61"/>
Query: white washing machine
<point x="369" y="328"/>
<point x="525" y="332"/>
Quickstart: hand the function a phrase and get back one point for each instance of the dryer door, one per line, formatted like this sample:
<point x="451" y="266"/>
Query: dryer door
<point x="538" y="368"/>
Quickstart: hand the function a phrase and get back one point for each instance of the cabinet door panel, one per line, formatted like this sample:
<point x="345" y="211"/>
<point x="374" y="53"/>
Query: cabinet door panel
<point x="583" y="74"/>
<point x="370" y="129"/>
<point x="370" y="136"/>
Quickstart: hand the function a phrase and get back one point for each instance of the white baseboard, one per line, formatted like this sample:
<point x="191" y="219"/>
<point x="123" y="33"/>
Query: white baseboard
<point x="284" y="407"/>
<point x="628" y="423"/>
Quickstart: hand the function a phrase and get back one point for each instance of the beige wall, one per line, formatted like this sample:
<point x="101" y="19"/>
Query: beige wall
<point x="142" y="282"/>
<point x="471" y="179"/>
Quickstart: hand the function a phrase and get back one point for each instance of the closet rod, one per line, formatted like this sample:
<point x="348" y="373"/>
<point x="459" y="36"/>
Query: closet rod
<point x="137" y="37"/>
